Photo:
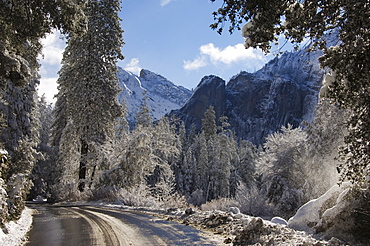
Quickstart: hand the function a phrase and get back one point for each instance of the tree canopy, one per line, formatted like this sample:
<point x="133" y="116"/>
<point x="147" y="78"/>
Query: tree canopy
<point x="346" y="57"/>
<point x="23" y="23"/>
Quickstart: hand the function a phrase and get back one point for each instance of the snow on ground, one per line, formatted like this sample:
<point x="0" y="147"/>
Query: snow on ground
<point x="15" y="232"/>
<point x="233" y="227"/>
<point x="241" y="229"/>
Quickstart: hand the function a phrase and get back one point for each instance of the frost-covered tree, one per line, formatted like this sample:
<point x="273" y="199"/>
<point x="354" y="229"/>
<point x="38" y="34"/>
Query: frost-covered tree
<point x="282" y="173"/>
<point x="22" y="25"/>
<point x="43" y="171"/>
<point x="20" y="137"/>
<point x="143" y="116"/>
<point x="209" y="127"/>
<point x="88" y="90"/>
<point x="208" y="161"/>
<point x="166" y="149"/>
<point x="348" y="58"/>
<point x="325" y="136"/>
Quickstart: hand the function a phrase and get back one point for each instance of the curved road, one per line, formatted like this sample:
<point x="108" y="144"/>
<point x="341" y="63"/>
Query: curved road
<point x="84" y="225"/>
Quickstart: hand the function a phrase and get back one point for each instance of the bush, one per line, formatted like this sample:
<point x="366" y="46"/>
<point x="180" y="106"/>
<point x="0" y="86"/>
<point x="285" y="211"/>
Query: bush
<point x="222" y="204"/>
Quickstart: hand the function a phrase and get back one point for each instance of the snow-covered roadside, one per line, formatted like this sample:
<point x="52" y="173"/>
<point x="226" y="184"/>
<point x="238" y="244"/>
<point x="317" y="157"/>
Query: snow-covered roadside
<point x="241" y="229"/>
<point x="234" y="227"/>
<point x="16" y="231"/>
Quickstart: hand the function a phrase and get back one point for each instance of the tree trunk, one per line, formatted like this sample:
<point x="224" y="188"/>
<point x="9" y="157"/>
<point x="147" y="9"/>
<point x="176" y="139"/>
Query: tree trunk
<point x="83" y="166"/>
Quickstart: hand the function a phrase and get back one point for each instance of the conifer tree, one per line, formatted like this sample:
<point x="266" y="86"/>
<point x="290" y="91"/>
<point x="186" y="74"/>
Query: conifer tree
<point x="88" y="90"/>
<point x="143" y="116"/>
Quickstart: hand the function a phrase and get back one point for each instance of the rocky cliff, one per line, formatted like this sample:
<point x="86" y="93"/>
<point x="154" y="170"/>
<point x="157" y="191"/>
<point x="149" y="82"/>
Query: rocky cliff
<point x="285" y="91"/>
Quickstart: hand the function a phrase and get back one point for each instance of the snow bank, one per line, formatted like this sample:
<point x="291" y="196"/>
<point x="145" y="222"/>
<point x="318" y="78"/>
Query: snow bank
<point x="309" y="215"/>
<point x="15" y="232"/>
<point x="279" y="220"/>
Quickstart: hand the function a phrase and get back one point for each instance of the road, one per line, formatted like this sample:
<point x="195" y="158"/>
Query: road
<point x="84" y="225"/>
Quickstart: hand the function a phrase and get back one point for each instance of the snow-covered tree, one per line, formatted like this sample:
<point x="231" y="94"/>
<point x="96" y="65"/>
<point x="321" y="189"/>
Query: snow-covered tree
<point x="208" y="161"/>
<point x="43" y="171"/>
<point x="325" y="136"/>
<point x="282" y="175"/>
<point x="88" y="90"/>
<point x="20" y="137"/>
<point x="22" y="25"/>
<point x="143" y="116"/>
<point x="209" y="127"/>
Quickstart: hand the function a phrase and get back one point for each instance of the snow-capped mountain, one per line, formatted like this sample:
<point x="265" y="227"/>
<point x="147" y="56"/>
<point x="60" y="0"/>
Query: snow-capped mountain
<point x="162" y="95"/>
<point x="285" y="91"/>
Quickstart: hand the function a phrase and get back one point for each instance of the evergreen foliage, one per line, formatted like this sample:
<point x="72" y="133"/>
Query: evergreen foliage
<point x="22" y="25"/>
<point x="87" y="106"/>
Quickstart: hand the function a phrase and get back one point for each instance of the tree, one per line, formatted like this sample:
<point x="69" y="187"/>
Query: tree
<point x="20" y="137"/>
<point x="143" y="116"/>
<point x="347" y="57"/>
<point x="88" y="92"/>
<point x="43" y="172"/>
<point x="282" y="174"/>
<point x="22" y="24"/>
<point x="325" y="135"/>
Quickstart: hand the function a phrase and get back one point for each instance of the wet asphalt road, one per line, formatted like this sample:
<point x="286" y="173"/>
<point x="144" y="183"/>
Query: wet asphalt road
<point x="84" y="225"/>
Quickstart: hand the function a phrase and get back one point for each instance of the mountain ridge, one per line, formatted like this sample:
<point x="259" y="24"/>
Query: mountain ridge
<point x="162" y="95"/>
<point x="285" y="91"/>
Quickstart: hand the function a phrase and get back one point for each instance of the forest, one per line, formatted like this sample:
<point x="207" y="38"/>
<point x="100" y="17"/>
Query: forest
<point x="82" y="149"/>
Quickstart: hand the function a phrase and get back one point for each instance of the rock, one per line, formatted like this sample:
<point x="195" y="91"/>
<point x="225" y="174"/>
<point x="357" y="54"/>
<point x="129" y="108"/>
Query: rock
<point x="278" y="220"/>
<point x="309" y="215"/>
<point x="189" y="211"/>
<point x="234" y="210"/>
<point x="251" y="232"/>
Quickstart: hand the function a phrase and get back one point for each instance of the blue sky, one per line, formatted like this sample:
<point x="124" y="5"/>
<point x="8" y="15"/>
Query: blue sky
<point x="171" y="38"/>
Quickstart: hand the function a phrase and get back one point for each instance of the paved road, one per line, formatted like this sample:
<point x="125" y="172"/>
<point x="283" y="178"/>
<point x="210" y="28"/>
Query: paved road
<point x="84" y="225"/>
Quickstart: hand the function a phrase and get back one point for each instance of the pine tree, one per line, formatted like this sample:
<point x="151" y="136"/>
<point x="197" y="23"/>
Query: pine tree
<point x="209" y="123"/>
<point x="143" y="116"/>
<point x="88" y="90"/>
<point x="43" y="171"/>
<point x="22" y="25"/>
<point x="20" y="136"/>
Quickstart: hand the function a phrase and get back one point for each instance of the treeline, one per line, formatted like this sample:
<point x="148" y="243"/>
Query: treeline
<point x="163" y="164"/>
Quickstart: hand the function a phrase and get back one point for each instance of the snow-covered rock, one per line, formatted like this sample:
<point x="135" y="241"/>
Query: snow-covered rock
<point x="310" y="214"/>
<point x="234" y="210"/>
<point x="279" y="220"/>
<point x="162" y="95"/>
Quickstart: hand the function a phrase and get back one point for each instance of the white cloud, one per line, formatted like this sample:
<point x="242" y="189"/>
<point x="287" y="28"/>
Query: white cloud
<point x="53" y="49"/>
<point x="227" y="56"/>
<point x="48" y="86"/>
<point x="231" y="54"/>
<point x="165" y="2"/>
<point x="133" y="66"/>
<point x="194" y="65"/>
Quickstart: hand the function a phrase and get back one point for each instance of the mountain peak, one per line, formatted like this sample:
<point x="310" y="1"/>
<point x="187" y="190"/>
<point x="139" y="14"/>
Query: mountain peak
<point x="163" y="95"/>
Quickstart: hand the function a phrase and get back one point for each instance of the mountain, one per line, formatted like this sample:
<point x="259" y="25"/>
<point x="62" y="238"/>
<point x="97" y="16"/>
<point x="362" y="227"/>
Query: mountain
<point x="162" y="95"/>
<point x="285" y="91"/>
